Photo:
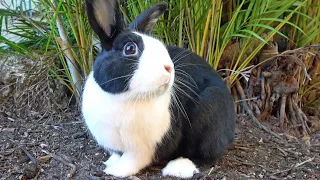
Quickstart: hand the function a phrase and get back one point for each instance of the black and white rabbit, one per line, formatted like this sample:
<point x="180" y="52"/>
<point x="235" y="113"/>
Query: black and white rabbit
<point x="145" y="101"/>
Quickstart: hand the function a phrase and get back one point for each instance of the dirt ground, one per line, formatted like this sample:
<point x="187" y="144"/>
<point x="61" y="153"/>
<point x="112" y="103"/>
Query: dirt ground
<point x="53" y="145"/>
<point x="45" y="138"/>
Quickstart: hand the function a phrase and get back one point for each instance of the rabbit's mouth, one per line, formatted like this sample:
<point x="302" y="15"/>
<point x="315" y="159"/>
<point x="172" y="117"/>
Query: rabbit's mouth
<point x="165" y="86"/>
<point x="166" y="83"/>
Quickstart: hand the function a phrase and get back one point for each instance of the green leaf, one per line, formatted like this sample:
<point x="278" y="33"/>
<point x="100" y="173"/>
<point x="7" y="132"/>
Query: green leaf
<point x="253" y="34"/>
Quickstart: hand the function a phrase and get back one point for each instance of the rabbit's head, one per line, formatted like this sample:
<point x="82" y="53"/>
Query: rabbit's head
<point x="131" y="62"/>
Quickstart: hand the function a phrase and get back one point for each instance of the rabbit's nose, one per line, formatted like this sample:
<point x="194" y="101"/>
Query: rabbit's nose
<point x="168" y="68"/>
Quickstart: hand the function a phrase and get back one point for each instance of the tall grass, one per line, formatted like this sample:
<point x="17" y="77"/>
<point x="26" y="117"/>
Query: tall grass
<point x="59" y="28"/>
<point x="72" y="36"/>
<point x="208" y="27"/>
<point x="308" y="20"/>
<point x="309" y="93"/>
<point x="228" y="34"/>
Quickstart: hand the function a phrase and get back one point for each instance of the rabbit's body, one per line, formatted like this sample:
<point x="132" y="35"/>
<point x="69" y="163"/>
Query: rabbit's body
<point x="145" y="101"/>
<point x="203" y="116"/>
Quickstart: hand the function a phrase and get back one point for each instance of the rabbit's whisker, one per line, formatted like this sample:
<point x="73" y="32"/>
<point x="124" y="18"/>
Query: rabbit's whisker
<point x="116" y="79"/>
<point x="130" y="59"/>
<point x="177" y="101"/>
<point x="187" y="54"/>
<point x="182" y="72"/>
<point x="178" y="55"/>
<point x="186" y="94"/>
<point x="189" y="64"/>
<point x="180" y="81"/>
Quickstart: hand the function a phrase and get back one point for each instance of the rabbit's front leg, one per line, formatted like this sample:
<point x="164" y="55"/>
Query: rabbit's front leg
<point x="129" y="164"/>
<point x="113" y="159"/>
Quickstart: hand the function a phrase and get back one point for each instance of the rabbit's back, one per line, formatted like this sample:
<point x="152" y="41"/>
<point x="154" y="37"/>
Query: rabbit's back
<point x="193" y="65"/>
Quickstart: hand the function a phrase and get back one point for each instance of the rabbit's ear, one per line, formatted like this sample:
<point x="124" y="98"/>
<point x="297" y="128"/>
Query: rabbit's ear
<point x="144" y="22"/>
<point x="105" y="19"/>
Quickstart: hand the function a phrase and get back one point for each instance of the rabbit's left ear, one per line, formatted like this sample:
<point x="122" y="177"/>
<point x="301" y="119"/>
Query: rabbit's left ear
<point x="144" y="22"/>
<point x="105" y="19"/>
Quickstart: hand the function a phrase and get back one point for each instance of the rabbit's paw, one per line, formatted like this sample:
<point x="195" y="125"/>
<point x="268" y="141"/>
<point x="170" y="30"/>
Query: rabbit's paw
<point x="119" y="172"/>
<point x="126" y="166"/>
<point x="113" y="159"/>
<point x="181" y="167"/>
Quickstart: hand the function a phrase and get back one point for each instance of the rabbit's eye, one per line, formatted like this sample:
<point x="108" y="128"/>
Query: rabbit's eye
<point x="130" y="49"/>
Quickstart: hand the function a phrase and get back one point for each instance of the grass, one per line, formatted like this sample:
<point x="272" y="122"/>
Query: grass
<point x="61" y="28"/>
<point x="229" y="35"/>
<point x="202" y="26"/>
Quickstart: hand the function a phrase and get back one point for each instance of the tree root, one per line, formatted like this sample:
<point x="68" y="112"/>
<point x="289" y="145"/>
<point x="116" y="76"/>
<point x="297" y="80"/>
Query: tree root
<point x="302" y="118"/>
<point x="274" y="85"/>
<point x="282" y="110"/>
<point x="293" y="116"/>
<point x="250" y="113"/>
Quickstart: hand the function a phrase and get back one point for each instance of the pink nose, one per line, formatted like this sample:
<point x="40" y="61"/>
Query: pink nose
<point x="168" y="68"/>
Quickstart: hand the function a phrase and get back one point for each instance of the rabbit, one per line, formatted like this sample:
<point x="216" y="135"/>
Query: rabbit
<point x="146" y="102"/>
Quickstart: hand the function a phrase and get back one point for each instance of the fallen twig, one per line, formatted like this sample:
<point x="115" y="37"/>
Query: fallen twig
<point x="296" y="167"/>
<point x="241" y="148"/>
<point x="210" y="171"/>
<point x="11" y="119"/>
<point x="283" y="171"/>
<point x="213" y="169"/>
<point x="73" y="167"/>
<point x="72" y="123"/>
<point x="33" y="159"/>
<point x="240" y="161"/>
<point x="302" y="163"/>
<point x="248" y="99"/>
<point x="283" y="152"/>
<point x="295" y="154"/>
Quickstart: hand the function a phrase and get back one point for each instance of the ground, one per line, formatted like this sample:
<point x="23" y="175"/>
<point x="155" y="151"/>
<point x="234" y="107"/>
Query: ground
<point x="44" y="137"/>
<point x="47" y="146"/>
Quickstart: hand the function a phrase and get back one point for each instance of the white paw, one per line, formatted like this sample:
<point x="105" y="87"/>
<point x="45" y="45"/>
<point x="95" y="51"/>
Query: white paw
<point x="113" y="159"/>
<point x="125" y="166"/>
<point x="120" y="171"/>
<point x="117" y="172"/>
<point x="181" y="167"/>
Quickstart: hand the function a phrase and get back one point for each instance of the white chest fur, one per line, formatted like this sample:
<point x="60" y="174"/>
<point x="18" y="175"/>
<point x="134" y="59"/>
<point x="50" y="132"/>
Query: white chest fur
<point x="122" y="125"/>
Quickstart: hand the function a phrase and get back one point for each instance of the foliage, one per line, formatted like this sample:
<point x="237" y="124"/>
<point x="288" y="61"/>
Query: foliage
<point x="59" y="28"/>
<point x="309" y="89"/>
<point x="229" y="34"/>
<point x="202" y="26"/>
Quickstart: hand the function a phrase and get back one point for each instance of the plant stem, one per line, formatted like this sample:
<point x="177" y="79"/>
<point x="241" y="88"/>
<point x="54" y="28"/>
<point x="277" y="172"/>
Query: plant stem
<point x="71" y="62"/>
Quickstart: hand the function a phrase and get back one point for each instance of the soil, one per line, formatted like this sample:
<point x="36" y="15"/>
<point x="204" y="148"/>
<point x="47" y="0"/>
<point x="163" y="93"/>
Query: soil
<point x="47" y="139"/>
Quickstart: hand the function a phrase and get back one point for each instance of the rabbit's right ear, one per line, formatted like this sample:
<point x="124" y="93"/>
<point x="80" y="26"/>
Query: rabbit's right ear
<point x="106" y="20"/>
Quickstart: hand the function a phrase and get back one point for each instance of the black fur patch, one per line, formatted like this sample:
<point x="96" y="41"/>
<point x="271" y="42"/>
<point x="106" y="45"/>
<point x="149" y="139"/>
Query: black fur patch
<point x="208" y="130"/>
<point x="112" y="70"/>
